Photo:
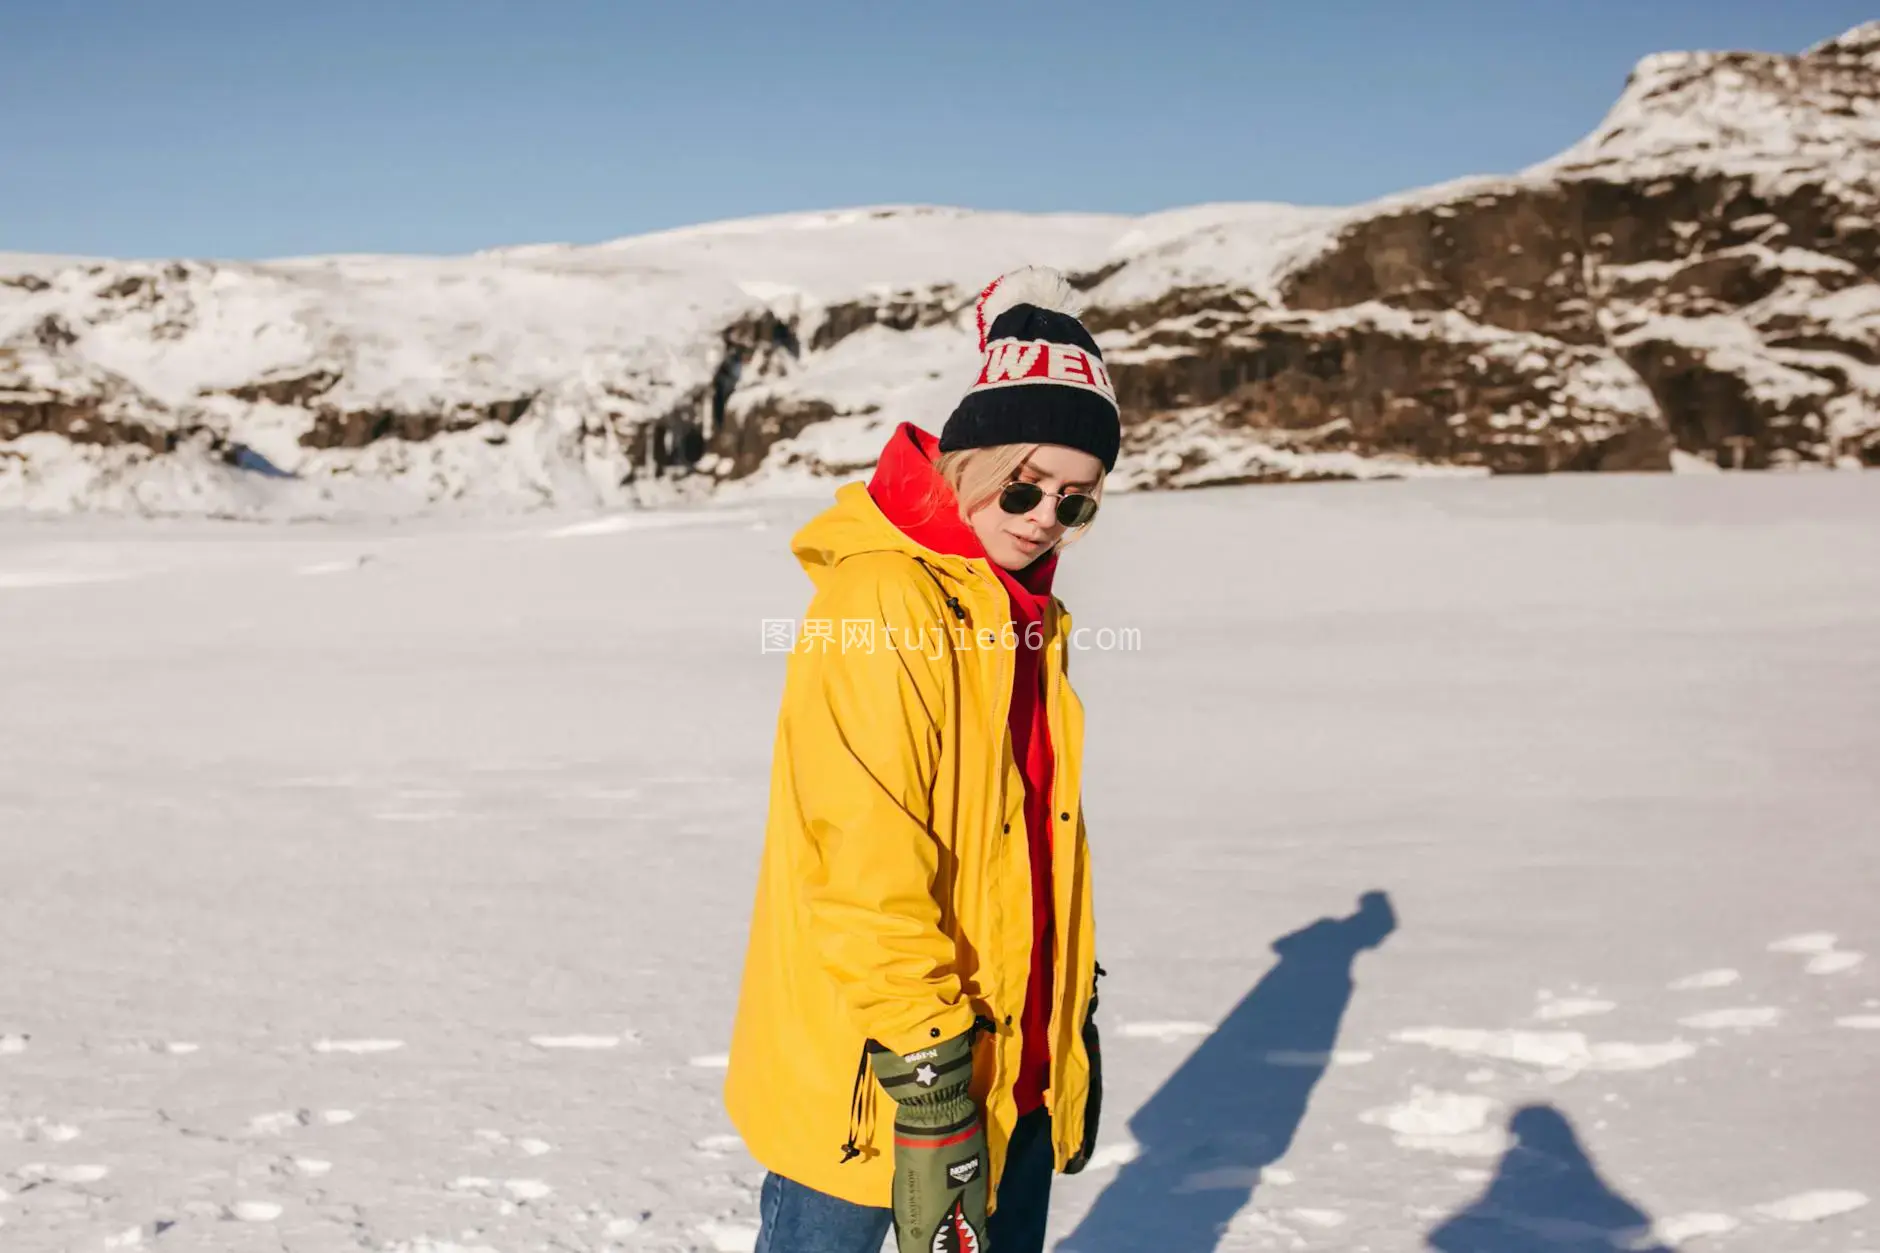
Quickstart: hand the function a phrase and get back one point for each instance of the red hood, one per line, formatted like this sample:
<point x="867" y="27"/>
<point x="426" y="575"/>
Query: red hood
<point x="910" y="492"/>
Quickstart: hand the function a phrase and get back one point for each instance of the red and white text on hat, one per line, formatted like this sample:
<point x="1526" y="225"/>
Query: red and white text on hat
<point x="1011" y="362"/>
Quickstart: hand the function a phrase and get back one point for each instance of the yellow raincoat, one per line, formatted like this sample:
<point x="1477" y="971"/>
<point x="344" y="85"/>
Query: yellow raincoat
<point x="894" y="893"/>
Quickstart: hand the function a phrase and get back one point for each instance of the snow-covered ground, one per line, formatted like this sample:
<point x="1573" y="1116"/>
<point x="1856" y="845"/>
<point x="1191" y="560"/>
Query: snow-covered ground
<point x="386" y="888"/>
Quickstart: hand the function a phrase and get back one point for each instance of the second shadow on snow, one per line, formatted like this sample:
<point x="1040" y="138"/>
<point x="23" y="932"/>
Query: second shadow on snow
<point x="1233" y="1108"/>
<point x="1546" y="1197"/>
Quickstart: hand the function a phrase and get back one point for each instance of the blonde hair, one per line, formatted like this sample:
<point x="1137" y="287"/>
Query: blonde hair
<point x="977" y="475"/>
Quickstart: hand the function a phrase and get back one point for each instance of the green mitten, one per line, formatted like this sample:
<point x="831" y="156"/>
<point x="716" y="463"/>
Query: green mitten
<point x="940" y="1160"/>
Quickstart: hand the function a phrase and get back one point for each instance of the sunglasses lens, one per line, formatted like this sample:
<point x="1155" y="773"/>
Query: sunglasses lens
<point x="1020" y="497"/>
<point x="1076" y="509"/>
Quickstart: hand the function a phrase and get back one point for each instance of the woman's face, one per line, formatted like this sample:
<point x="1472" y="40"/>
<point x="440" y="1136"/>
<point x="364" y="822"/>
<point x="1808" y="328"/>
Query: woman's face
<point x="1015" y="540"/>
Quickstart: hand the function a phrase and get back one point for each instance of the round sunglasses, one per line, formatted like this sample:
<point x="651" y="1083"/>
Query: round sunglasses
<point x="1074" y="509"/>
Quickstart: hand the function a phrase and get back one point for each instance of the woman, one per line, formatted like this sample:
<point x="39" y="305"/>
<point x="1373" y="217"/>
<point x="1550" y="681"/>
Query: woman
<point x="922" y="934"/>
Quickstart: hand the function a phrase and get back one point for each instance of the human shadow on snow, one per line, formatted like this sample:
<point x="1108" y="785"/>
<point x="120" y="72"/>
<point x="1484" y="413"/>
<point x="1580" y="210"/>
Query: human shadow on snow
<point x="1235" y="1105"/>
<point x="1546" y="1197"/>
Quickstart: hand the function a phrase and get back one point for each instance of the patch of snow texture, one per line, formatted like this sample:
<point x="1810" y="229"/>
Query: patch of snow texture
<point x="720" y="1144"/>
<point x="1705" y="980"/>
<point x="334" y="1117"/>
<point x="576" y="1041"/>
<point x="1567" y="1007"/>
<point x="1118" y="1154"/>
<point x="1326" y="1219"/>
<point x="1679" y="1228"/>
<point x="357" y="1046"/>
<point x="1834" y="963"/>
<point x="37" y="1171"/>
<point x="711" y="1061"/>
<point x="729" y="1237"/>
<point x="1813" y="1207"/>
<point x="312" y="1167"/>
<point x="1167" y="1032"/>
<point x="1443" y="1122"/>
<point x="527" y="1189"/>
<point x="1563" y="1052"/>
<point x="1811" y="942"/>
<point x="255" y="1211"/>
<point x="1860" y="1022"/>
<point x="12" y="1044"/>
<point x="181" y="1048"/>
<point x="1719" y="1019"/>
<point x="620" y="523"/>
<point x="37" y="1128"/>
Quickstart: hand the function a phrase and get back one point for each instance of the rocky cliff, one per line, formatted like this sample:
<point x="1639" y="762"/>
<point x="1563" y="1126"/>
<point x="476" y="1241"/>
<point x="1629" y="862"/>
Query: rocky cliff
<point x="1696" y="282"/>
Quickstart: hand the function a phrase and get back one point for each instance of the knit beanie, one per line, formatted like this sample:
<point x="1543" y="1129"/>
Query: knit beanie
<point x="1042" y="378"/>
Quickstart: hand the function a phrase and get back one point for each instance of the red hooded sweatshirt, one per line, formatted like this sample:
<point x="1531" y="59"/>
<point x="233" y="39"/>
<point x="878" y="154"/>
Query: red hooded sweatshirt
<point x="910" y="492"/>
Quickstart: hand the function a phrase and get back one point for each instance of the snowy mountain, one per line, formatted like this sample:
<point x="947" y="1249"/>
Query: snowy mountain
<point x="1698" y="276"/>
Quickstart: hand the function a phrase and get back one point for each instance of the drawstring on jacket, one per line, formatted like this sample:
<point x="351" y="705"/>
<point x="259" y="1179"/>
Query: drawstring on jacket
<point x="849" y="1151"/>
<point x="858" y="1102"/>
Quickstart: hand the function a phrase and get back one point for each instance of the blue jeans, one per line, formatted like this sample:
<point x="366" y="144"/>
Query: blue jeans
<point x="796" y="1219"/>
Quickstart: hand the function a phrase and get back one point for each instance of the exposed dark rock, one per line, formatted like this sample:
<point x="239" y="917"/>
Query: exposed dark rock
<point x="903" y="312"/>
<point x="355" y="428"/>
<point x="291" y="389"/>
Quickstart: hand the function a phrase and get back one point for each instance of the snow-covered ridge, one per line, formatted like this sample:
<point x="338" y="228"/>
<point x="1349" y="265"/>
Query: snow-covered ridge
<point x="1695" y="277"/>
<point x="1763" y="108"/>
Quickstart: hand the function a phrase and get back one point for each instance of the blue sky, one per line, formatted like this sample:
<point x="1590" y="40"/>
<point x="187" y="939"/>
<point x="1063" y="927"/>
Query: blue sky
<point x="246" y="129"/>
